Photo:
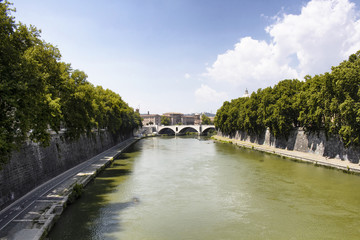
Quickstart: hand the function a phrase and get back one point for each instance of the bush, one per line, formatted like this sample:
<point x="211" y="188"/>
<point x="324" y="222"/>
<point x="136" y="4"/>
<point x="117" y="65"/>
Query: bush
<point x="76" y="193"/>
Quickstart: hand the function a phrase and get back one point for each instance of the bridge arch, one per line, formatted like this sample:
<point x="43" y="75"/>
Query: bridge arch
<point x="207" y="129"/>
<point x="186" y="129"/>
<point x="181" y="129"/>
<point x="167" y="130"/>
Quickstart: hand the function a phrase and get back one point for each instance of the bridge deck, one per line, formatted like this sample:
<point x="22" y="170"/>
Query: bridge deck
<point x="180" y="128"/>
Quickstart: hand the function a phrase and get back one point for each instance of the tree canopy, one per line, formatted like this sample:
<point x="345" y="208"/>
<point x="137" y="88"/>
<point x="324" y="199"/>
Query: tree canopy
<point x="328" y="102"/>
<point x="165" y="121"/>
<point x="38" y="92"/>
<point x="205" y="120"/>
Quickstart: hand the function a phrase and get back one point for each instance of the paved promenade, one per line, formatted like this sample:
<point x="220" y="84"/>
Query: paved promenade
<point x="307" y="157"/>
<point x="33" y="215"/>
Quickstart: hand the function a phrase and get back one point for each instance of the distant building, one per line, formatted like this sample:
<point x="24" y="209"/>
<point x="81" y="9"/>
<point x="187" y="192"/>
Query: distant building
<point x="246" y="93"/>
<point x="150" y="119"/>
<point x="197" y="119"/>
<point x="188" y="119"/>
<point x="175" y="118"/>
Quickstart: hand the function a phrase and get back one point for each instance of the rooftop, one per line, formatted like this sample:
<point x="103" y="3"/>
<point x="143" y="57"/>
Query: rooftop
<point x="169" y="113"/>
<point x="149" y="115"/>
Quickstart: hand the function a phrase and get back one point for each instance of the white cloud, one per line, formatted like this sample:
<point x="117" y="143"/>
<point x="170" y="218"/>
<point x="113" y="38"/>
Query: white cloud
<point x="207" y="94"/>
<point x="187" y="76"/>
<point x="322" y="35"/>
<point x="251" y="61"/>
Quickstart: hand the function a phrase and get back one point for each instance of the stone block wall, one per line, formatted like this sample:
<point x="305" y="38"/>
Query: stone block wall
<point x="299" y="140"/>
<point x="33" y="165"/>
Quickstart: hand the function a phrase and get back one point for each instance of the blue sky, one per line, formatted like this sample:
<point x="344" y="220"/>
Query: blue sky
<point x="191" y="55"/>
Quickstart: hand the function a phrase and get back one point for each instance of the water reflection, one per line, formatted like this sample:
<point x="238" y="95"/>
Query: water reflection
<point x="94" y="214"/>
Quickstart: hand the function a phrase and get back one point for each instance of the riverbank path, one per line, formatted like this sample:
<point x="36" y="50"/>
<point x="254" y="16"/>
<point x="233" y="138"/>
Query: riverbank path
<point x="303" y="156"/>
<point x="15" y="213"/>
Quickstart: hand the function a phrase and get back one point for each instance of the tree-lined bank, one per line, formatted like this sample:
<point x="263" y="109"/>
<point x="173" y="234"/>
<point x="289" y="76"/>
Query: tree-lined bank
<point x="328" y="102"/>
<point x="39" y="92"/>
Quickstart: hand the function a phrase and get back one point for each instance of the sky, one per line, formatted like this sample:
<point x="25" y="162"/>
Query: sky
<point x="192" y="55"/>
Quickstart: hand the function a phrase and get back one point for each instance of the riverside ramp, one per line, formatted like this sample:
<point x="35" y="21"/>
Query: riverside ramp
<point x="32" y="216"/>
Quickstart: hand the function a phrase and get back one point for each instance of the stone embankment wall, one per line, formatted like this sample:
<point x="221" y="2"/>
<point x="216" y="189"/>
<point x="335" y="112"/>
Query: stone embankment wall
<point x="299" y="140"/>
<point x="34" y="165"/>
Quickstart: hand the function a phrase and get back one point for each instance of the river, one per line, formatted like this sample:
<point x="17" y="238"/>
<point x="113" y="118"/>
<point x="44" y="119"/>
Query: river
<point x="189" y="188"/>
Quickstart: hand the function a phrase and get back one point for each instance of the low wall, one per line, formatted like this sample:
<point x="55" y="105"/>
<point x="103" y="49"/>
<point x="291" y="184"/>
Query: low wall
<point x="33" y="165"/>
<point x="299" y="140"/>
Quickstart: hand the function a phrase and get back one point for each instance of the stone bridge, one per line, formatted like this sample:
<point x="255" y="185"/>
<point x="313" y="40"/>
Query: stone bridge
<point x="181" y="129"/>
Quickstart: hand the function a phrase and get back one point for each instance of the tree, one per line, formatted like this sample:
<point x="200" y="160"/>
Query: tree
<point x="38" y="92"/>
<point x="205" y="120"/>
<point x="328" y="102"/>
<point x="27" y="106"/>
<point x="283" y="113"/>
<point x="165" y="121"/>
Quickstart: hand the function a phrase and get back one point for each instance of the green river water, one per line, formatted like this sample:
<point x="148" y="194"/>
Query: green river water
<point x="189" y="188"/>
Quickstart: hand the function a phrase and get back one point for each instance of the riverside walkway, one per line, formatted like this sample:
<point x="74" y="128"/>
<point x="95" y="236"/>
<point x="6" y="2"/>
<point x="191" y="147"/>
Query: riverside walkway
<point x="33" y="215"/>
<point x="302" y="156"/>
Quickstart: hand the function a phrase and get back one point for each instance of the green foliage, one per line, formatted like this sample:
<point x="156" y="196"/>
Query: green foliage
<point x="205" y="120"/>
<point x="329" y="102"/>
<point x="76" y="193"/>
<point x="38" y="92"/>
<point x="282" y="112"/>
<point x="165" y="121"/>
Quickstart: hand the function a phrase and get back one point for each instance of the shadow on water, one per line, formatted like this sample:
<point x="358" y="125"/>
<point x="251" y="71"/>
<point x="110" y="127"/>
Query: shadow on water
<point x="112" y="224"/>
<point x="93" y="215"/>
<point x="118" y="164"/>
